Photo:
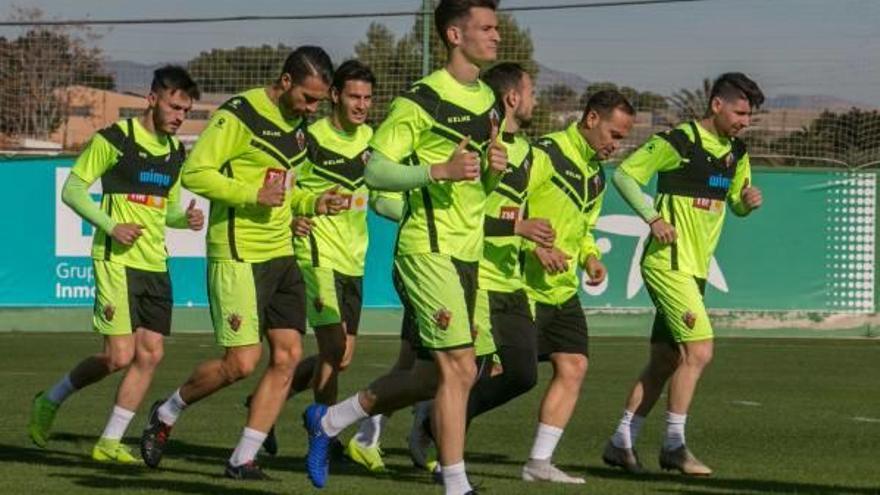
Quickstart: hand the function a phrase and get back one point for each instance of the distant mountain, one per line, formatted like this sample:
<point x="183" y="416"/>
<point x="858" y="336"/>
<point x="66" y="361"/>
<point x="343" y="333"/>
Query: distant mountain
<point x="549" y="77"/>
<point x="812" y="101"/>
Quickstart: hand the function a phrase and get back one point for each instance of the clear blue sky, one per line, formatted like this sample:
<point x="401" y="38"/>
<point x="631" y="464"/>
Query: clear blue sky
<point x="829" y="47"/>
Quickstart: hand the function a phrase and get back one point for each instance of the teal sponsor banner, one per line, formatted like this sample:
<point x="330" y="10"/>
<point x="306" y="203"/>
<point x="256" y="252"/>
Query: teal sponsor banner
<point x="811" y="247"/>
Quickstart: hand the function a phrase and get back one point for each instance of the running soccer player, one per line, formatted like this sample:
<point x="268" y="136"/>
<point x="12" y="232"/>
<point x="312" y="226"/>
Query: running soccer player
<point x="506" y="341"/>
<point x="138" y="162"/>
<point x="444" y="126"/>
<point x="331" y="250"/>
<point x="700" y="165"/>
<point x="572" y="201"/>
<point x="241" y="163"/>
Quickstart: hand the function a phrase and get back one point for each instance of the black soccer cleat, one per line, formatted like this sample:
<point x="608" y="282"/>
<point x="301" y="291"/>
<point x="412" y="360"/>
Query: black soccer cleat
<point x="247" y="471"/>
<point x="154" y="438"/>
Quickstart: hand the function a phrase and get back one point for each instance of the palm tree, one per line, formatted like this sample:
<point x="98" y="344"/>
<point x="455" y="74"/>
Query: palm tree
<point x="689" y="104"/>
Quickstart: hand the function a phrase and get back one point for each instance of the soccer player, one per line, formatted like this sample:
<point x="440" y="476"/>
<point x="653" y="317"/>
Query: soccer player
<point x="331" y="250"/>
<point x="572" y="200"/>
<point x="444" y="126"/>
<point x="700" y="165"/>
<point x="241" y="163"/>
<point x="506" y="340"/>
<point x="138" y="162"/>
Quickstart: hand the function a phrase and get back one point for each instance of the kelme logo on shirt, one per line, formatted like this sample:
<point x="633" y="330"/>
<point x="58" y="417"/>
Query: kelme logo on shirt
<point x="573" y="174"/>
<point x="153" y="177"/>
<point x="271" y="133"/>
<point x="458" y="119"/>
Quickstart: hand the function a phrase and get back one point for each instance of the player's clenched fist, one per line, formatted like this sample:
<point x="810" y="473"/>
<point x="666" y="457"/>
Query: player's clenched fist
<point x="272" y="192"/>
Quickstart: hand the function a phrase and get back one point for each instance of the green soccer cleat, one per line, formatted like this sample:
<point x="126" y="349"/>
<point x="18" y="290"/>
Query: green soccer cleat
<point x="42" y="415"/>
<point x="107" y="450"/>
<point x="368" y="457"/>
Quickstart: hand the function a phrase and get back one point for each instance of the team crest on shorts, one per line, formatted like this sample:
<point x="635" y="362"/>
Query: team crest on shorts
<point x="689" y="319"/>
<point x="234" y="321"/>
<point x="109" y="311"/>
<point x="443" y="317"/>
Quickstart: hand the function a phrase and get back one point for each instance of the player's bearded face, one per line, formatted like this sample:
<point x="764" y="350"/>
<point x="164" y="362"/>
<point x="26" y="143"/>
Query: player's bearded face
<point x="732" y="116"/>
<point x="526" y="107"/>
<point x="301" y="100"/>
<point x="354" y="101"/>
<point x="479" y="36"/>
<point x="170" y="108"/>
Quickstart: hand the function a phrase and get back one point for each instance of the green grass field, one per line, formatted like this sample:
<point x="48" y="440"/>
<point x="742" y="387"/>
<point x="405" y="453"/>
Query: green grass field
<point x="771" y="416"/>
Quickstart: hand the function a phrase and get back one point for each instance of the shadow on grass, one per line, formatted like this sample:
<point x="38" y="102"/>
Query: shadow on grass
<point x="704" y="485"/>
<point x="176" y="485"/>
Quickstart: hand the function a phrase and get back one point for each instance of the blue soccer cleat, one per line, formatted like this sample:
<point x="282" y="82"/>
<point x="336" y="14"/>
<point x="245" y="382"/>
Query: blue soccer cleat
<point x="318" y="457"/>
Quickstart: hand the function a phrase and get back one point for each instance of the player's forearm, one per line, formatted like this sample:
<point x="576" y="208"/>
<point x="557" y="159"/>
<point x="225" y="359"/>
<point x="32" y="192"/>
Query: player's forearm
<point x="632" y="193"/>
<point x="75" y="194"/>
<point x="384" y="174"/>
<point x="211" y="184"/>
<point x="175" y="215"/>
<point x="303" y="202"/>
<point x="588" y="248"/>
<point x="389" y="208"/>
<point x="496" y="227"/>
<point x="738" y="206"/>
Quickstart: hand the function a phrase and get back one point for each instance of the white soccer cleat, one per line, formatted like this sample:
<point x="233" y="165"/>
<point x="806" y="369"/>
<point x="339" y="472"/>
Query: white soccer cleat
<point x="536" y="470"/>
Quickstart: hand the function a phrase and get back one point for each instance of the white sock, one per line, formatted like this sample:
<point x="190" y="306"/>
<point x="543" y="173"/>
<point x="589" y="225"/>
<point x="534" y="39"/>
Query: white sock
<point x="246" y="450"/>
<point x="622" y="438"/>
<point x="546" y="439"/>
<point x="674" y="430"/>
<point x="170" y="410"/>
<point x="370" y="430"/>
<point x="455" y="480"/>
<point x="635" y="426"/>
<point x="343" y="415"/>
<point x="61" y="390"/>
<point x="117" y="424"/>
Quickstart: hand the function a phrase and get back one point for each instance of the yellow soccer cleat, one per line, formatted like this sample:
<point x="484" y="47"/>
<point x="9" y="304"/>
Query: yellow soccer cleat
<point x="368" y="457"/>
<point x="113" y="451"/>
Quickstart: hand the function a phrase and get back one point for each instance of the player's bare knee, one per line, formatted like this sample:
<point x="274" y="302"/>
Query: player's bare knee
<point x="238" y="366"/>
<point x="698" y="355"/>
<point x="149" y="358"/>
<point x="119" y="359"/>
<point x="575" y="367"/>
<point x="465" y="371"/>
